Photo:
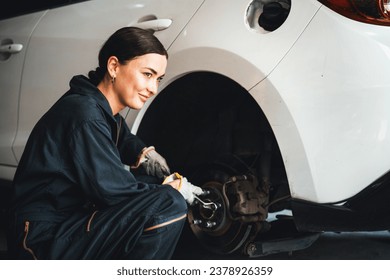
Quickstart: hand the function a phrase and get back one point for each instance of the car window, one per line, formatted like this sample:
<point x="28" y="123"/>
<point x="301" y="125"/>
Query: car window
<point x="21" y="7"/>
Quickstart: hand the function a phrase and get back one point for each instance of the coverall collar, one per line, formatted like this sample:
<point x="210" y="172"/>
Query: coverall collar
<point x="82" y="85"/>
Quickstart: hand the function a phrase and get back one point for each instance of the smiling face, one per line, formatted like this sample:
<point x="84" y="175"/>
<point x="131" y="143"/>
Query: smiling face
<point x="135" y="81"/>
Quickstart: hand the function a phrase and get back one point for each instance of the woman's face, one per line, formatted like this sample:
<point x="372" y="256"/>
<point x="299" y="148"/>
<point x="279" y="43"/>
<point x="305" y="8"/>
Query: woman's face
<point x="138" y="79"/>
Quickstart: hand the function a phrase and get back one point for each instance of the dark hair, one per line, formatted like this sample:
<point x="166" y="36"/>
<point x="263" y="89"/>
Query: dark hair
<point x="126" y="44"/>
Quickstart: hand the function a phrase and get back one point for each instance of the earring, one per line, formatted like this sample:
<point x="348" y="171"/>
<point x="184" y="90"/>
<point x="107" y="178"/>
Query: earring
<point x="113" y="79"/>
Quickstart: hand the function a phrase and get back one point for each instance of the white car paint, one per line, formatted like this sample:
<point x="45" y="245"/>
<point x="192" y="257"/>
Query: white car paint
<point x="17" y="31"/>
<point x="321" y="79"/>
<point x="11" y="68"/>
<point x="56" y="50"/>
<point x="335" y="84"/>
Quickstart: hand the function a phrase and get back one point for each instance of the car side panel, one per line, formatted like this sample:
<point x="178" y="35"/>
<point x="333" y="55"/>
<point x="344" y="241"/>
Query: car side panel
<point x="219" y="34"/>
<point x="233" y="49"/>
<point x="67" y="42"/>
<point x="12" y="31"/>
<point x="334" y="83"/>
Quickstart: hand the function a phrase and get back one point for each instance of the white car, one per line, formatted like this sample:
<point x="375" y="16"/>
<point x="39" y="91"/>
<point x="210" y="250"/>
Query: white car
<point x="272" y="106"/>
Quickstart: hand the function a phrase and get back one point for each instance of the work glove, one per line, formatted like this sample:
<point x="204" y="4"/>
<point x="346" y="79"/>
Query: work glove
<point x="153" y="163"/>
<point x="187" y="190"/>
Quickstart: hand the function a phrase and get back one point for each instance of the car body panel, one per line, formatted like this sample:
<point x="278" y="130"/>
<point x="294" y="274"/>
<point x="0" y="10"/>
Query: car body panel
<point x="56" y="43"/>
<point x="233" y="49"/>
<point x="247" y="57"/>
<point x="230" y="40"/>
<point x="12" y="31"/>
<point x="338" y="98"/>
<point x="317" y="94"/>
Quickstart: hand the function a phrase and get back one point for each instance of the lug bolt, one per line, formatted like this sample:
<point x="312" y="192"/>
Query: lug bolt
<point x="210" y="224"/>
<point x="197" y="222"/>
<point x="205" y="192"/>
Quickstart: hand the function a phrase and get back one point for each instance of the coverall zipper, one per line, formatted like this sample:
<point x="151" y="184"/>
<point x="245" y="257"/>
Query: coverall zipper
<point x="118" y="126"/>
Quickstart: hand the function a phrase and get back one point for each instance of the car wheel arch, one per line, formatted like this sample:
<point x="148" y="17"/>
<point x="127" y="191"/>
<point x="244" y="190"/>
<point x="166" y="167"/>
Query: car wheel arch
<point x="201" y="117"/>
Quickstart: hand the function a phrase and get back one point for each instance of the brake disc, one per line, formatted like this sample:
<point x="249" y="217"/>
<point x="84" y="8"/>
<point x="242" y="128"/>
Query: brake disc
<point x="212" y="223"/>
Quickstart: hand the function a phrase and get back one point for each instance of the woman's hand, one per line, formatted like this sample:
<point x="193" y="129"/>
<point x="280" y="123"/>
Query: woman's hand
<point x="153" y="163"/>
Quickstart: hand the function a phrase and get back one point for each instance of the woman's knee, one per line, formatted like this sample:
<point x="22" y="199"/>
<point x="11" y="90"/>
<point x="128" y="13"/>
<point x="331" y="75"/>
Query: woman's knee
<point x="174" y="199"/>
<point x="171" y="209"/>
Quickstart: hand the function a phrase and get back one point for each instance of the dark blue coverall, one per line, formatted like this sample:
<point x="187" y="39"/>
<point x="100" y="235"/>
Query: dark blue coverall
<point x="73" y="198"/>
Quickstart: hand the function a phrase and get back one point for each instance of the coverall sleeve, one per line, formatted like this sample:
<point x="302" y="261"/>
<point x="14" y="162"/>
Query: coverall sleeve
<point x="98" y="166"/>
<point x="129" y="145"/>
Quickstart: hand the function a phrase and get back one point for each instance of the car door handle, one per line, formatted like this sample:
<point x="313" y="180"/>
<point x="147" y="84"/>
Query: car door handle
<point x="11" y="48"/>
<point x="155" y="24"/>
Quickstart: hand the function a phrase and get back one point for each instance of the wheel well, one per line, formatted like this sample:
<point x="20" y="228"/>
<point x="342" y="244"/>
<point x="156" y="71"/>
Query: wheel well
<point x="205" y="118"/>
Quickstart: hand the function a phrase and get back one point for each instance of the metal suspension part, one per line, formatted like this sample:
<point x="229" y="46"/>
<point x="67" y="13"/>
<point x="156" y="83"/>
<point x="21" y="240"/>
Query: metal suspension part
<point x="228" y="213"/>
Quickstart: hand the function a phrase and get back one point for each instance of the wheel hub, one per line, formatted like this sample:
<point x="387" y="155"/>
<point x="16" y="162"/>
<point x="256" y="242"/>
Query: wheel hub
<point x="221" y="219"/>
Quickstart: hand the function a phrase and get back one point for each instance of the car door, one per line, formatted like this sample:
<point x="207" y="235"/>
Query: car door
<point x="67" y="40"/>
<point x="14" y="38"/>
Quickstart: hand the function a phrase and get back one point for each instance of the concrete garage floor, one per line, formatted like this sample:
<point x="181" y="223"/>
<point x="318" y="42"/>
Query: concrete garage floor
<point x="348" y="246"/>
<point x="329" y="246"/>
